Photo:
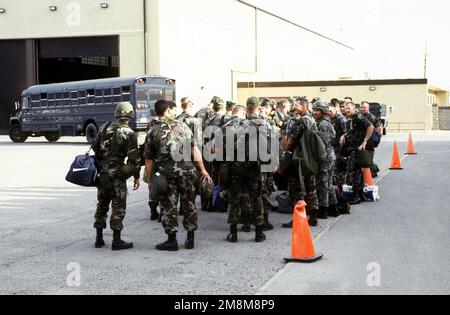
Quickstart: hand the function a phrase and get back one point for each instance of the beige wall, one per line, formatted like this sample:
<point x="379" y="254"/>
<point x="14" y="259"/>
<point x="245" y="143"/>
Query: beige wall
<point x="28" y="19"/>
<point x="408" y="102"/>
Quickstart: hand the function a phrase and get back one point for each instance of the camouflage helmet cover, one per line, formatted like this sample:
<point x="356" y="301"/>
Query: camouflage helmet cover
<point x="125" y="110"/>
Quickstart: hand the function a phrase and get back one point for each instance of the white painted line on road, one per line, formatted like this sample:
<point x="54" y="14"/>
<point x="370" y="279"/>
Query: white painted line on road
<point x="273" y="279"/>
<point x="327" y="228"/>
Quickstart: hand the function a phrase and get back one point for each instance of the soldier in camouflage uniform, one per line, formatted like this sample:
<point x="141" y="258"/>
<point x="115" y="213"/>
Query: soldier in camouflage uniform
<point x="291" y="144"/>
<point x="339" y="122"/>
<point x="206" y="112"/>
<point x="169" y="139"/>
<point x="115" y="143"/>
<point x="228" y="111"/>
<point x="266" y="178"/>
<point x="195" y="124"/>
<point x="246" y="186"/>
<point x="325" y="191"/>
<point x="359" y="131"/>
<point x="214" y="122"/>
<point x="365" y="111"/>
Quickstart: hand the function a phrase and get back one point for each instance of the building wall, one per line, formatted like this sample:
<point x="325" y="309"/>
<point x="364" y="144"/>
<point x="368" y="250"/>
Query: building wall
<point x="208" y="46"/>
<point x="29" y="19"/>
<point x="410" y="109"/>
<point x="444" y="117"/>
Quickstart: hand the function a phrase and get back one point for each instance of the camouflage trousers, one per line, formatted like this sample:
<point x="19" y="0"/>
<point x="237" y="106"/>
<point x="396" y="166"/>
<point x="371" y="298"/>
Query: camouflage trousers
<point x="356" y="175"/>
<point x="296" y="194"/>
<point x="267" y="180"/>
<point x="341" y="171"/>
<point x="246" y="199"/>
<point x="325" y="191"/>
<point x="117" y="197"/>
<point x="183" y="188"/>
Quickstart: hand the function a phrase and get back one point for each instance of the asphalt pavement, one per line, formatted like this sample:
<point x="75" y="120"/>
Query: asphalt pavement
<point x="47" y="225"/>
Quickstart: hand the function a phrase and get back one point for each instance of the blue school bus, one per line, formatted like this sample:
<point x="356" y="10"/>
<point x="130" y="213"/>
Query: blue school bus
<point x="80" y="108"/>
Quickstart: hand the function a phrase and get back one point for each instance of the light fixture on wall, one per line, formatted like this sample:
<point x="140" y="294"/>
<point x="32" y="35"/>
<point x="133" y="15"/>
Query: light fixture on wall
<point x="323" y="89"/>
<point x="372" y="88"/>
<point x="53" y="8"/>
<point x="104" y="5"/>
<point x="2" y="10"/>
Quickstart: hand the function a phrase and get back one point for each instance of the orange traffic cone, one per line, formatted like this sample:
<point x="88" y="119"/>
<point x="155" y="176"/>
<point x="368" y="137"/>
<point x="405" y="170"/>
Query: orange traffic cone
<point x="411" y="150"/>
<point x="302" y="244"/>
<point x="396" y="164"/>
<point x="368" y="180"/>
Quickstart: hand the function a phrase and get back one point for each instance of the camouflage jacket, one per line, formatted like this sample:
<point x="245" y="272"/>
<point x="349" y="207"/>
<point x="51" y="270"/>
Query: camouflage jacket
<point x="356" y="130"/>
<point x="195" y="124"/>
<point x="117" y="142"/>
<point x="328" y="134"/>
<point x="340" y="126"/>
<point x="169" y="144"/>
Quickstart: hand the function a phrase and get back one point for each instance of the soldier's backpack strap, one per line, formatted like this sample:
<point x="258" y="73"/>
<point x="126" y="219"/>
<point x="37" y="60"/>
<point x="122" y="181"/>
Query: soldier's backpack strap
<point x="95" y="146"/>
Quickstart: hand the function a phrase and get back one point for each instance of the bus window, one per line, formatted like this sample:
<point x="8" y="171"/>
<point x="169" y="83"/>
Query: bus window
<point x="59" y="99"/>
<point x="66" y="98"/>
<point x="74" y="98"/>
<point x="43" y="101"/>
<point x="126" y="93"/>
<point x="156" y="94"/>
<point x="51" y="99"/>
<point x="82" y="97"/>
<point x="99" y="96"/>
<point x="117" y="93"/>
<point x="25" y="102"/>
<point x="169" y="94"/>
<point x="35" y="100"/>
<point x="90" y="97"/>
<point x="108" y="95"/>
<point x="141" y="95"/>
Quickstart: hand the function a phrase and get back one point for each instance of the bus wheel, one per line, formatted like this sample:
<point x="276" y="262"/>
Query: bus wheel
<point x="91" y="133"/>
<point x="16" y="134"/>
<point x="52" y="137"/>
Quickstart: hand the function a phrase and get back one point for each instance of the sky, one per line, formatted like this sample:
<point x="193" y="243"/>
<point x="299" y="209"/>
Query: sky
<point x="390" y="37"/>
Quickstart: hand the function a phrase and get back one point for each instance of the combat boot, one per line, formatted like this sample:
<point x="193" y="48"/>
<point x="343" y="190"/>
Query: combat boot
<point x="287" y="225"/>
<point x="153" y="214"/>
<point x="333" y="211"/>
<point x="312" y="221"/>
<point x="189" y="244"/>
<point x="118" y="243"/>
<point x="323" y="213"/>
<point x="232" y="237"/>
<point x="259" y="235"/>
<point x="170" y="245"/>
<point x="99" y="242"/>
<point x="267" y="225"/>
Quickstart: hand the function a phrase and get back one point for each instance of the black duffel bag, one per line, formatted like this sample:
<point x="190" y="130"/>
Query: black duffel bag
<point x="83" y="171"/>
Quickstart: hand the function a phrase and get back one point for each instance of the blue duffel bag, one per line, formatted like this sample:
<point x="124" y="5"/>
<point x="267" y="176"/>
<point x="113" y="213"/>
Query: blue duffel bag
<point x="83" y="171"/>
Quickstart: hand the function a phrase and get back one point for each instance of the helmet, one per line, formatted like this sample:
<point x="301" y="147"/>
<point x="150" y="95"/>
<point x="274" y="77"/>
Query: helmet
<point x="125" y="110"/>
<point x="322" y="106"/>
<point x="206" y="189"/>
